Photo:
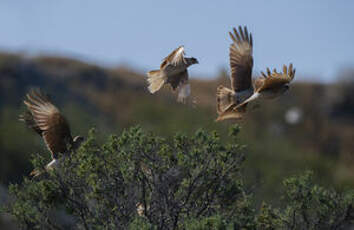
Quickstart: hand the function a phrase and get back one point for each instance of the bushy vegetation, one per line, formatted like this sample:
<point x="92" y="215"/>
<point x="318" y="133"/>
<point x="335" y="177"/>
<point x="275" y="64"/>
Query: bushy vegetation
<point x="141" y="181"/>
<point x="113" y="99"/>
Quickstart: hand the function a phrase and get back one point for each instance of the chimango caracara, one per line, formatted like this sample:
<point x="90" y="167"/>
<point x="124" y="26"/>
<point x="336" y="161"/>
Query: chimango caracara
<point x="173" y="71"/>
<point x="271" y="85"/>
<point x="46" y="120"/>
<point x="232" y="103"/>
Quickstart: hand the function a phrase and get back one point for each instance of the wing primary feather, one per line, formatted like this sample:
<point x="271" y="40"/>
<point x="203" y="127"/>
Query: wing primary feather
<point x="237" y="35"/>
<point x="285" y="70"/>
<point x="251" y="40"/>
<point x="232" y="37"/>
<point x="268" y="72"/>
<point x="290" y="67"/>
<point x="241" y="60"/>
<point x="241" y="32"/>
<point x="246" y="34"/>
<point x="39" y="97"/>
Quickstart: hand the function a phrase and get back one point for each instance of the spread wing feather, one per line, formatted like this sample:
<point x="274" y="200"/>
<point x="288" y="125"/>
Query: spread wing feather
<point x="241" y="60"/>
<point x="27" y="117"/>
<point x="174" y="58"/>
<point x="275" y="79"/>
<point x="269" y="81"/>
<point x="49" y="122"/>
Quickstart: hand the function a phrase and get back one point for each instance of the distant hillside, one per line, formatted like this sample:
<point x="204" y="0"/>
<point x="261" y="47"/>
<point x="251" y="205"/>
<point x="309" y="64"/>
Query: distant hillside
<point x="320" y="138"/>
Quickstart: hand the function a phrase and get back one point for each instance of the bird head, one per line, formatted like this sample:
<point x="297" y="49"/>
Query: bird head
<point x="191" y="61"/>
<point x="285" y="88"/>
<point x="277" y="91"/>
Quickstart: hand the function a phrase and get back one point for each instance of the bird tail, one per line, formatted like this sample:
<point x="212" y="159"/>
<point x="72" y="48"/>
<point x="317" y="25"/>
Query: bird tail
<point x="232" y="114"/>
<point x="224" y="99"/>
<point x="156" y="80"/>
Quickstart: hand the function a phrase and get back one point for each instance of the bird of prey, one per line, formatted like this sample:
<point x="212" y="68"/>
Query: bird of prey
<point x="173" y="71"/>
<point x="271" y="85"/>
<point x="47" y="121"/>
<point x="232" y="103"/>
<point x="241" y="62"/>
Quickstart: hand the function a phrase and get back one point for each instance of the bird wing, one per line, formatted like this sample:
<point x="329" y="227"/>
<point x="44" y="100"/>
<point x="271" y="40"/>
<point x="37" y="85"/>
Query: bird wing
<point x="174" y="58"/>
<point x="27" y="117"/>
<point x="275" y="79"/>
<point x="241" y="60"/>
<point x="269" y="81"/>
<point x="184" y="88"/>
<point x="54" y="127"/>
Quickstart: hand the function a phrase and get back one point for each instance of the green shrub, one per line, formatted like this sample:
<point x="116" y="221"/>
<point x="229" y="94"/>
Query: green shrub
<point x="179" y="183"/>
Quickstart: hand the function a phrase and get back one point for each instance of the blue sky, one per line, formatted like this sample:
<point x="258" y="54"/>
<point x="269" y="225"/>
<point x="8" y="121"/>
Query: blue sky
<point x="317" y="36"/>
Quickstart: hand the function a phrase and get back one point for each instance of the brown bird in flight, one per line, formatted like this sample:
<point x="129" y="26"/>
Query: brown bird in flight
<point x="232" y="103"/>
<point x="46" y="120"/>
<point x="271" y="85"/>
<point x="173" y="71"/>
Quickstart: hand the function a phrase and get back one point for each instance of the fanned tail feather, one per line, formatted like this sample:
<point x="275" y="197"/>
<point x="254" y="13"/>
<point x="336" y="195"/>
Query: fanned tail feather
<point x="224" y="99"/>
<point x="156" y="80"/>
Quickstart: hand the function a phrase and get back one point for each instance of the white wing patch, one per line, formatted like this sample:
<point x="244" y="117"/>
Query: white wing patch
<point x="179" y="56"/>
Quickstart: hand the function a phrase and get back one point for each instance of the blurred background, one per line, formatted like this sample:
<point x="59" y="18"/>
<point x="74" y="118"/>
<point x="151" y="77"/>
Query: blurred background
<point x="92" y="56"/>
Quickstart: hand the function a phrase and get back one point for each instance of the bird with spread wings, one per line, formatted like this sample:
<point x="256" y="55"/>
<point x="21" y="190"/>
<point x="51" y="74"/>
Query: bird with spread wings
<point x="47" y="121"/>
<point x="173" y="71"/>
<point x="271" y="85"/>
<point x="232" y="103"/>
